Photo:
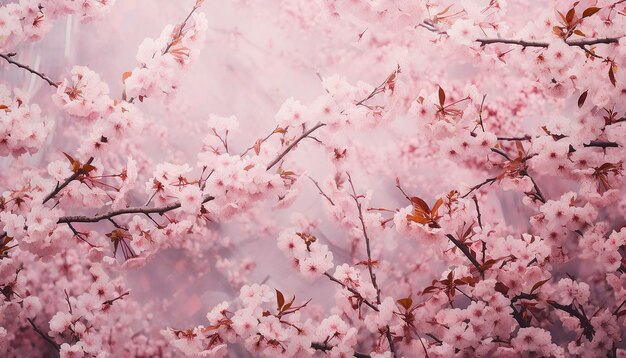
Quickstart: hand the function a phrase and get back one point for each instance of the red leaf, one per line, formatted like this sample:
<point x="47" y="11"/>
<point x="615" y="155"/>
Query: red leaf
<point x="590" y="11"/>
<point x="406" y="303"/>
<point x="570" y="15"/>
<point x="280" y="299"/>
<point x="442" y="96"/>
<point x="581" y="99"/>
<point x="612" y="75"/>
<point x="538" y="284"/>
<point x="125" y="75"/>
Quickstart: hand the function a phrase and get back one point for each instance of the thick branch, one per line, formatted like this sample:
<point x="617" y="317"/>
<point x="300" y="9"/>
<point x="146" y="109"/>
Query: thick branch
<point x="601" y="144"/>
<point x="295" y="142"/>
<point x="136" y="210"/>
<point x="44" y="336"/>
<point x="466" y="252"/>
<point x="586" y="325"/>
<point x="524" y="43"/>
<point x="7" y="57"/>
<point x="325" y="348"/>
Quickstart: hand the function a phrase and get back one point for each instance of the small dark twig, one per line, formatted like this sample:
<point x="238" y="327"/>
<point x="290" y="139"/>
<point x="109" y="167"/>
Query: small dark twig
<point x="7" y="57"/>
<point x="67" y="181"/>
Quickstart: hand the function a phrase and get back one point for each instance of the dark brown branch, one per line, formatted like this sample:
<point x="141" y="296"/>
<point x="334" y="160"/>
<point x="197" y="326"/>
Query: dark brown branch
<point x="44" y="336"/>
<point x="325" y="348"/>
<point x="586" y="325"/>
<point x="601" y="144"/>
<point x="524" y="43"/>
<point x="7" y="57"/>
<point x="293" y="144"/>
<point x="60" y="187"/>
<point x="466" y="252"/>
<point x="480" y="223"/>
<point x="478" y="186"/>
<point x="110" y="302"/>
<point x="353" y="291"/>
<point x="134" y="210"/>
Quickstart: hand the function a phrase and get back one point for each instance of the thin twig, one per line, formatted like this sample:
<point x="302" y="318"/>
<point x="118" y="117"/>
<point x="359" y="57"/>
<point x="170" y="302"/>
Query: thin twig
<point x="293" y="144"/>
<point x="60" y="187"/>
<point x="352" y="290"/>
<point x="7" y="57"/>
<point x="180" y="31"/>
<point x="369" y="261"/>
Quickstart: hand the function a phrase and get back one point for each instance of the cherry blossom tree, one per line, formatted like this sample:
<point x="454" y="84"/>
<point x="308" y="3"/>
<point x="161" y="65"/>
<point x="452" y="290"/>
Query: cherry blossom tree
<point x="366" y="178"/>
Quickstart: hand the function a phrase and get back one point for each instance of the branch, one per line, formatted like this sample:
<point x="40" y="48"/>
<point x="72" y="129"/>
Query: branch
<point x="352" y="290"/>
<point x="325" y="348"/>
<point x="133" y="210"/>
<point x="466" y="251"/>
<point x="524" y="43"/>
<point x="44" y="336"/>
<point x="7" y="57"/>
<point x="587" y="327"/>
<point x="182" y="27"/>
<point x="369" y="258"/>
<point x="295" y="142"/>
<point x="601" y="144"/>
<point x="60" y="187"/>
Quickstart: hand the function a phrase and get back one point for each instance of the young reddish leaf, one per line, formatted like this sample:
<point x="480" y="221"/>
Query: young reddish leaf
<point x="435" y="208"/>
<point x="75" y="164"/>
<point x="4" y="107"/>
<point x="612" y="75"/>
<point x="502" y="288"/>
<point x="570" y="16"/>
<point x="579" y="33"/>
<point x="87" y="168"/>
<point x="442" y="96"/>
<point x="590" y="11"/>
<point x="538" y="284"/>
<point x="557" y="31"/>
<point x="257" y="146"/>
<point x="125" y="75"/>
<point x="581" y="99"/>
<point x="406" y="303"/>
<point x="279" y="130"/>
<point x="418" y="202"/>
<point x="288" y="305"/>
<point x="280" y="299"/>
